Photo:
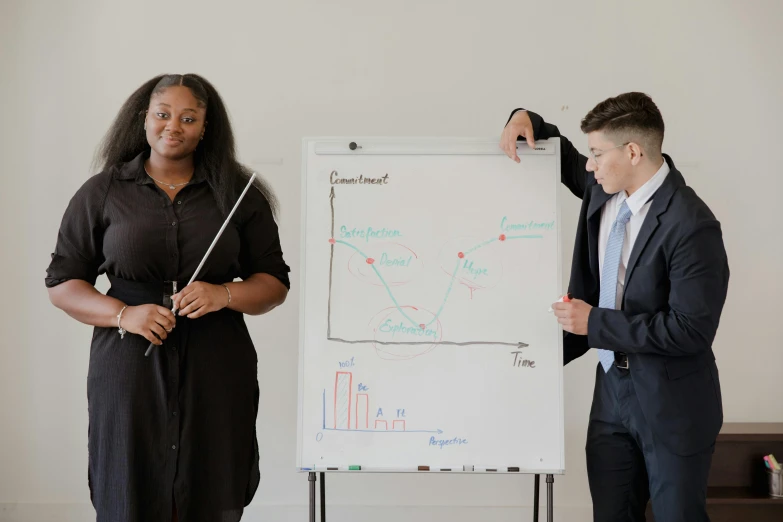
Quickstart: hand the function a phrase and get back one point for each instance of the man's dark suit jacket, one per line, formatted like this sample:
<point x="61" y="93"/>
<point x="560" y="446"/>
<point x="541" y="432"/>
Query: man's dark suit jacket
<point x="675" y="287"/>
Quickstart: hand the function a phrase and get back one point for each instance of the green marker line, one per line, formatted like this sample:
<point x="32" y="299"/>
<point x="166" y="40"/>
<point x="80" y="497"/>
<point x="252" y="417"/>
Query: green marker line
<point x="446" y="297"/>
<point x="394" y="300"/>
<point x="451" y="283"/>
<point x="485" y="243"/>
<point x="350" y="245"/>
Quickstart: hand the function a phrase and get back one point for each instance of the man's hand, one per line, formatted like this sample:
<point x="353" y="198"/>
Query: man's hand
<point x="519" y="125"/>
<point x="573" y="315"/>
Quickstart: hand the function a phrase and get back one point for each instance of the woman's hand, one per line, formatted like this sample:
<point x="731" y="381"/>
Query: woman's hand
<point x="151" y="321"/>
<point x="199" y="298"/>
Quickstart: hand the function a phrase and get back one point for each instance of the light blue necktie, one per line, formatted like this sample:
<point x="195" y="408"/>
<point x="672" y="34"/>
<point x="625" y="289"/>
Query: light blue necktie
<point x="614" y="249"/>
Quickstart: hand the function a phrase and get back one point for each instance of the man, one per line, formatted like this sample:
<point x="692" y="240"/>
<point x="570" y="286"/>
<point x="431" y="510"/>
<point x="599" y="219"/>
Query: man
<point x="648" y="284"/>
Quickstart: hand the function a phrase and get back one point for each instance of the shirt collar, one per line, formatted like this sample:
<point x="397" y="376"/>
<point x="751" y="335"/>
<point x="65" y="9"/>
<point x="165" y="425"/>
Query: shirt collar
<point x="639" y="198"/>
<point x="134" y="170"/>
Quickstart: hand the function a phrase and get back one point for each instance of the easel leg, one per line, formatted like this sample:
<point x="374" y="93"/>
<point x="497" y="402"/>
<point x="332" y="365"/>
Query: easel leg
<point x="536" y="487"/>
<point x="311" y="480"/>
<point x="550" y="479"/>
<point x="323" y="497"/>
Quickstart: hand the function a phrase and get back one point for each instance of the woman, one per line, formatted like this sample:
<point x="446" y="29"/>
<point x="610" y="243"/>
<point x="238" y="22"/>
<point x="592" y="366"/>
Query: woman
<point x="171" y="435"/>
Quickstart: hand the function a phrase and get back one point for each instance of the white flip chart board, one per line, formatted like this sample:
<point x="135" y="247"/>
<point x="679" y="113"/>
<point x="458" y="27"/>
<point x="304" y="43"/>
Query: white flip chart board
<point x="428" y="268"/>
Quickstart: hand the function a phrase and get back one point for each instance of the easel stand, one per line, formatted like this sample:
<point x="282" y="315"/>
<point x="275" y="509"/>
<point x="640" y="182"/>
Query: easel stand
<point x="550" y="480"/>
<point x="311" y="479"/>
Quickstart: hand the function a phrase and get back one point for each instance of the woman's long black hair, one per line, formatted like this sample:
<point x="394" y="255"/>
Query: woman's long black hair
<point x="216" y="153"/>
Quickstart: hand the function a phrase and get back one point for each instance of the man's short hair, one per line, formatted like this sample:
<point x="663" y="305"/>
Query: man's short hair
<point x="632" y="116"/>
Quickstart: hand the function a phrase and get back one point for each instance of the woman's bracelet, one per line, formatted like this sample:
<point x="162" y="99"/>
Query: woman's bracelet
<point x="229" y="294"/>
<point x="119" y="318"/>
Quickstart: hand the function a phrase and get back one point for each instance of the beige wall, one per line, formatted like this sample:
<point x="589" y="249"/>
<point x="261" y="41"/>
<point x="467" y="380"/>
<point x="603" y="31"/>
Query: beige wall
<point x="421" y="68"/>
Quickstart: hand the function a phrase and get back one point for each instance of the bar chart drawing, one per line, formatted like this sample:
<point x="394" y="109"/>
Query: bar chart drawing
<point x="362" y="411"/>
<point x="351" y="411"/>
<point x="342" y="400"/>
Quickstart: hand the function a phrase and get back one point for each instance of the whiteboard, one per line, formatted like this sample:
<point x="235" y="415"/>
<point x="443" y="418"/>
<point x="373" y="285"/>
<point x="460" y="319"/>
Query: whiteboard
<point x="426" y="342"/>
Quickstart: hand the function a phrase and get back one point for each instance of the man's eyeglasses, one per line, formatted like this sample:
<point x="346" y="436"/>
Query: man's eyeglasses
<point x="595" y="154"/>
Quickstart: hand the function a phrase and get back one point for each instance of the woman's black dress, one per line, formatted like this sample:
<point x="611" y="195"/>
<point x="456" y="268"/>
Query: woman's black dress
<point x="178" y="425"/>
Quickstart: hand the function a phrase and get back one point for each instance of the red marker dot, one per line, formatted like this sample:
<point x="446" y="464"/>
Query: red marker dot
<point x="502" y="237"/>
<point x="460" y="255"/>
<point x="331" y="241"/>
<point x="370" y="260"/>
<point x="422" y="326"/>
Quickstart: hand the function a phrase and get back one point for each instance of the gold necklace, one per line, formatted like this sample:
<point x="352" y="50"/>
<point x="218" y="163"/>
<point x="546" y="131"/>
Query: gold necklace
<point x="171" y="186"/>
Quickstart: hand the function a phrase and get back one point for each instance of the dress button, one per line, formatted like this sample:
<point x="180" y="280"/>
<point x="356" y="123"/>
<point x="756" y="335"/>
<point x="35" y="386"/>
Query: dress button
<point x="174" y="413"/>
<point x="173" y="446"/>
<point x="173" y="223"/>
<point x="179" y="202"/>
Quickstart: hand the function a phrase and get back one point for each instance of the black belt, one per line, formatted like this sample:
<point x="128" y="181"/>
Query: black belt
<point x="621" y="360"/>
<point x="134" y="293"/>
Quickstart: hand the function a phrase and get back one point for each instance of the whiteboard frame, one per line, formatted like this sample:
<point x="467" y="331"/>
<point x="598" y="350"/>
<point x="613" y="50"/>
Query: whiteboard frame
<point x="375" y="145"/>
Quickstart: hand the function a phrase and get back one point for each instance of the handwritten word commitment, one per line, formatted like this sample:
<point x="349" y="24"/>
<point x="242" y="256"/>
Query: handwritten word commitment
<point x="530" y="225"/>
<point x="335" y="179"/>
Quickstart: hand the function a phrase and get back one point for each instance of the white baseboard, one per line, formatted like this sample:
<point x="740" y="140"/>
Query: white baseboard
<point x="270" y="513"/>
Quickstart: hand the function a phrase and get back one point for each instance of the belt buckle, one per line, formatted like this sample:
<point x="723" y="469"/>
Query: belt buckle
<point x="622" y="356"/>
<point x="169" y="289"/>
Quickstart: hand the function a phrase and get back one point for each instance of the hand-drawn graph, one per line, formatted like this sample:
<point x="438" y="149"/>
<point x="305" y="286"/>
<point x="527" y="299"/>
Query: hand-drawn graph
<point x="350" y="410"/>
<point x="426" y="265"/>
<point x="381" y="258"/>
